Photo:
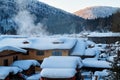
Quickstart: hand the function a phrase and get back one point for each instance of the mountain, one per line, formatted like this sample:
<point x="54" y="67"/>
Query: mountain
<point x="96" y="12"/>
<point x="100" y="18"/>
<point x="33" y="16"/>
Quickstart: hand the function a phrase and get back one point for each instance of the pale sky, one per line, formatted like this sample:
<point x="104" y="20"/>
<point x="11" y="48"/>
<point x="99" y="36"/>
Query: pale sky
<point x="74" y="5"/>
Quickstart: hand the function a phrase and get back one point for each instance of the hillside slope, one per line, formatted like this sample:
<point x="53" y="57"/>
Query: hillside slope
<point x="100" y="18"/>
<point x="96" y="12"/>
<point x="32" y="16"/>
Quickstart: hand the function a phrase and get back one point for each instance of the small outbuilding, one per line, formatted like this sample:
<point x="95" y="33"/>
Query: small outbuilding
<point x="61" y="68"/>
<point x="28" y="66"/>
<point x="10" y="73"/>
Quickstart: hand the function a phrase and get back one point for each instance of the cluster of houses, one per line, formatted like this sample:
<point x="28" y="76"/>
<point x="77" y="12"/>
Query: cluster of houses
<point x="27" y="53"/>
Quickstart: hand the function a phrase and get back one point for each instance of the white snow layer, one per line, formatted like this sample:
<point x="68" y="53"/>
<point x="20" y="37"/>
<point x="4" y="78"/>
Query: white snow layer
<point x="25" y="64"/>
<point x="4" y="71"/>
<point x="108" y="34"/>
<point x="62" y="62"/>
<point x="94" y="63"/>
<point x="80" y="47"/>
<point x="34" y="77"/>
<point x="17" y="49"/>
<point x="97" y="12"/>
<point x="58" y="73"/>
<point x="101" y="73"/>
<point x="40" y="43"/>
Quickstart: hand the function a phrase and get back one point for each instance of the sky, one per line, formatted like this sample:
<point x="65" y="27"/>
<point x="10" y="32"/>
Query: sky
<point x="75" y="5"/>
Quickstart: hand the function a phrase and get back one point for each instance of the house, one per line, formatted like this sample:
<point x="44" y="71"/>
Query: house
<point x="28" y="66"/>
<point x="10" y="73"/>
<point x="61" y="68"/>
<point x="85" y="49"/>
<point x="9" y="54"/>
<point x="106" y="38"/>
<point x="94" y="64"/>
<point x="39" y="48"/>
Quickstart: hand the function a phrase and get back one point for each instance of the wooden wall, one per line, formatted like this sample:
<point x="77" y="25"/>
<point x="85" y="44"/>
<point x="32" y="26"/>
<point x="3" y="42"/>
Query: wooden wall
<point x="8" y="54"/>
<point x="47" y="53"/>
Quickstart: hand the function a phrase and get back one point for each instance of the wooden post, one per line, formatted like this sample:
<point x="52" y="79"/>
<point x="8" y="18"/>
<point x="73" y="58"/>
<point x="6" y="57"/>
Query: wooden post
<point x="82" y="77"/>
<point x="96" y="77"/>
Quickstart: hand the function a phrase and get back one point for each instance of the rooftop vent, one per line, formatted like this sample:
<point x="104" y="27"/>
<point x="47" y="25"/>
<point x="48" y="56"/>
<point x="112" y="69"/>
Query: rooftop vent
<point x="25" y="42"/>
<point x="58" y="41"/>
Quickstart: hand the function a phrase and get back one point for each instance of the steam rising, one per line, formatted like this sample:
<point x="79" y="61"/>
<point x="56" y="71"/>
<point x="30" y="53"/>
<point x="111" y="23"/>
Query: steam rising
<point x="26" y="25"/>
<point x="25" y="21"/>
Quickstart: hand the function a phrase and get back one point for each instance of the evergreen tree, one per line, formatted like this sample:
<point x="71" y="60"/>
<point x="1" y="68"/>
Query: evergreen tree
<point x="115" y="70"/>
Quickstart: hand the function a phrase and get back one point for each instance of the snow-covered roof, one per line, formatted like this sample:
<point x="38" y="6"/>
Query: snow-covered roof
<point x="109" y="34"/>
<point x="58" y="73"/>
<point x="62" y="62"/>
<point x="25" y="64"/>
<point x="94" y="63"/>
<point x="17" y="49"/>
<point x="90" y="52"/>
<point x="101" y="73"/>
<point x="80" y="47"/>
<point x="111" y="58"/>
<point x="36" y="76"/>
<point x="40" y="43"/>
<point x="4" y="71"/>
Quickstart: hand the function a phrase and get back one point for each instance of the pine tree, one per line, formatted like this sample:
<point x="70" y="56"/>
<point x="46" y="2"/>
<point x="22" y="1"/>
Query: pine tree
<point x="115" y="70"/>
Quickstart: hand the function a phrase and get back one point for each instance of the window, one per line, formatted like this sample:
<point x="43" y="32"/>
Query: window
<point x="27" y="53"/>
<point x="15" y="58"/>
<point x="40" y="53"/>
<point x="5" y="62"/>
<point x="40" y="61"/>
<point x="56" y="53"/>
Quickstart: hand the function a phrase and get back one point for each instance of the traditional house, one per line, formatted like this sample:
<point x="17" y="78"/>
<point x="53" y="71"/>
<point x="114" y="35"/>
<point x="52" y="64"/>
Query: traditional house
<point x="85" y="49"/>
<point x="10" y="73"/>
<point x="105" y="38"/>
<point x="39" y="48"/>
<point x="61" y="68"/>
<point x="9" y="54"/>
<point x="28" y="66"/>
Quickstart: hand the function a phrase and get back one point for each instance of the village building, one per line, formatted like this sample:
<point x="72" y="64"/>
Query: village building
<point x="9" y="54"/>
<point x="10" y="73"/>
<point x="106" y="38"/>
<point x="61" y="68"/>
<point x="28" y="66"/>
<point x="40" y="48"/>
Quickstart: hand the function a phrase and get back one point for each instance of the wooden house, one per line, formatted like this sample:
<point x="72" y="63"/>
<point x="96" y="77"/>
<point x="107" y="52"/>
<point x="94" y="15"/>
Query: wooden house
<point x="40" y="48"/>
<point x="9" y="54"/>
<point x="10" y="73"/>
<point x="61" y="68"/>
<point x="84" y="49"/>
<point x="106" y="38"/>
<point x="28" y="66"/>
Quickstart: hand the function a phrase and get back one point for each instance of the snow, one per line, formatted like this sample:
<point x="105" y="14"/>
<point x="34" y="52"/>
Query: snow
<point x="96" y="12"/>
<point x="25" y="64"/>
<point x="101" y="73"/>
<point x="82" y="49"/>
<point x="61" y="62"/>
<point x="108" y="34"/>
<point x="94" y="63"/>
<point x="40" y="43"/>
<point x="17" y="49"/>
<point x="111" y="58"/>
<point x="58" y="73"/>
<point x="90" y="52"/>
<point x="79" y="48"/>
<point x="46" y="44"/>
<point x="4" y="71"/>
<point x="34" y="77"/>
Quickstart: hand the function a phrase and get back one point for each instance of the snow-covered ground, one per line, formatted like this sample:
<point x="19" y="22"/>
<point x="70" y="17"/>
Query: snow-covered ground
<point x="101" y="57"/>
